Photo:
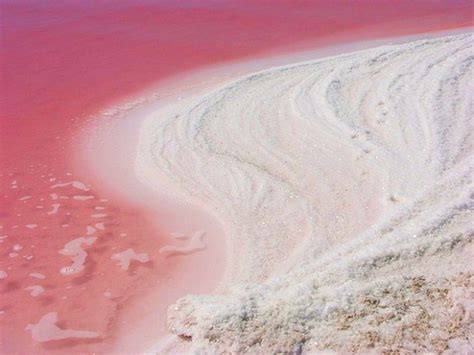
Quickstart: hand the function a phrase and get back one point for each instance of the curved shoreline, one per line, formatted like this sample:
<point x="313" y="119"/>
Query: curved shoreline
<point x="182" y="87"/>
<point x="85" y="252"/>
<point x="189" y="317"/>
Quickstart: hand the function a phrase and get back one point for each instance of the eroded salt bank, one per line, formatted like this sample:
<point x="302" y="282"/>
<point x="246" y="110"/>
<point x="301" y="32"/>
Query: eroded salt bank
<point x="345" y="185"/>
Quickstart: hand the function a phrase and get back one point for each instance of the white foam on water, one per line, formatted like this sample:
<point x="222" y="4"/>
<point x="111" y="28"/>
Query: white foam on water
<point x="47" y="330"/>
<point x="129" y="255"/>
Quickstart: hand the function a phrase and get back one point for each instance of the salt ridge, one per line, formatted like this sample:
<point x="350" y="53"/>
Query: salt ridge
<point x="346" y="187"/>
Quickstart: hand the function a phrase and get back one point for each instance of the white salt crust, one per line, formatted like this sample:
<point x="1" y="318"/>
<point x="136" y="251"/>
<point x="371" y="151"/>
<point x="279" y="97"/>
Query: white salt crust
<point x="346" y="188"/>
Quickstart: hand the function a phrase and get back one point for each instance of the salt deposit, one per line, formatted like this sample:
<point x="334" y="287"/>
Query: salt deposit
<point x="74" y="248"/>
<point x="346" y="188"/>
<point x="90" y="230"/>
<point x="54" y="208"/>
<point x="35" y="290"/>
<point x="37" y="275"/>
<point x="47" y="330"/>
<point x="76" y="184"/>
<point x="129" y="255"/>
<point x="192" y="244"/>
<point x="100" y="226"/>
<point x="82" y="197"/>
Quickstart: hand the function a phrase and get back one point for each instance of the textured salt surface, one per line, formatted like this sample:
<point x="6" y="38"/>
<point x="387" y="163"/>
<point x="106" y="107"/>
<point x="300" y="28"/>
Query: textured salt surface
<point x="346" y="188"/>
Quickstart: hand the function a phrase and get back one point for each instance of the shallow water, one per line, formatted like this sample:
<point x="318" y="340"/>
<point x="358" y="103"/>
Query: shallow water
<point x="61" y="65"/>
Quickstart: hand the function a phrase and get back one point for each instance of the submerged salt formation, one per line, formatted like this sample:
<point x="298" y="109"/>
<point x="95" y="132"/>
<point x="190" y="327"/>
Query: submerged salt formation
<point x="346" y="188"/>
<point x="46" y="330"/>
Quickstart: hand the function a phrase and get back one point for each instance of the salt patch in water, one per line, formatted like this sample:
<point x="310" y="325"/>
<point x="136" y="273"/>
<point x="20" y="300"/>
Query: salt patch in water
<point x="54" y="208"/>
<point x="35" y="290"/>
<point x="76" y="184"/>
<point x="79" y="255"/>
<point x="3" y="275"/>
<point x="47" y="330"/>
<point x="127" y="256"/>
<point x="37" y="275"/>
<point x="83" y="197"/>
<point x="193" y="243"/>
<point x="99" y="215"/>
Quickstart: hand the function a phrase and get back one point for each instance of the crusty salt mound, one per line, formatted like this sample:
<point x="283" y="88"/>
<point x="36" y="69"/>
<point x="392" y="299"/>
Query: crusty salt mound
<point x="346" y="188"/>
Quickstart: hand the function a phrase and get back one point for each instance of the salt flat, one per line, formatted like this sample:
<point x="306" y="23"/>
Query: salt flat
<point x="345" y="185"/>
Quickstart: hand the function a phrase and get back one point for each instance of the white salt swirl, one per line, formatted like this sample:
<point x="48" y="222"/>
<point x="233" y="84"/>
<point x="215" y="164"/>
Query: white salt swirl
<point x="346" y="187"/>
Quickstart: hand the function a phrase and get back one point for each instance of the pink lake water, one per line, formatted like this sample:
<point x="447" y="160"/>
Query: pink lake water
<point x="61" y="63"/>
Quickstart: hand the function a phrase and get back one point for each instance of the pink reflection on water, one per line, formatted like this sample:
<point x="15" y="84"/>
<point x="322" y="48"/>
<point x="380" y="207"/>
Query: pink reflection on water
<point x="62" y="62"/>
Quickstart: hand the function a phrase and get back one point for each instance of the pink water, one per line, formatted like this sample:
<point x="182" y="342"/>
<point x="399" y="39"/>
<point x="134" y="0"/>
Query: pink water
<point x="62" y="62"/>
